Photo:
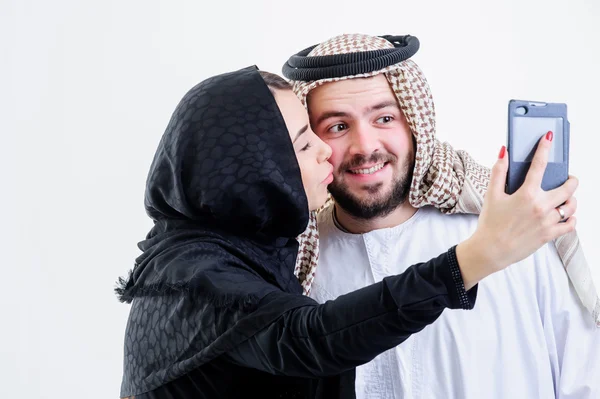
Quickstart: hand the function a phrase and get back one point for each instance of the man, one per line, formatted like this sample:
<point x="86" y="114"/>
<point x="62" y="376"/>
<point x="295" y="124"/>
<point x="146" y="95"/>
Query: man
<point x="397" y="193"/>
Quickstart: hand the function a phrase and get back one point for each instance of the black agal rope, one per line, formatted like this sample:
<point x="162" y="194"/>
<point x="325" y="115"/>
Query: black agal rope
<point x="301" y="67"/>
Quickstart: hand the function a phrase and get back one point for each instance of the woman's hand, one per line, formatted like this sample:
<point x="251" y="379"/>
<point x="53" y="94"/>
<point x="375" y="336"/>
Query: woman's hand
<point x="512" y="227"/>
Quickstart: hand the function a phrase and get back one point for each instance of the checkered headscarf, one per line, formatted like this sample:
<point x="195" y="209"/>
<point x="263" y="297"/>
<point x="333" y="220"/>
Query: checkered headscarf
<point x="445" y="178"/>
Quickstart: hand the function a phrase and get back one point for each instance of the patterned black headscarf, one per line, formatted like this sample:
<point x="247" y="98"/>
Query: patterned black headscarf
<point x="226" y="196"/>
<point x="224" y="176"/>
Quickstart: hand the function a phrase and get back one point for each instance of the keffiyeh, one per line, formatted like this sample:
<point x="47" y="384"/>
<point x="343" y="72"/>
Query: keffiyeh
<point x="445" y="178"/>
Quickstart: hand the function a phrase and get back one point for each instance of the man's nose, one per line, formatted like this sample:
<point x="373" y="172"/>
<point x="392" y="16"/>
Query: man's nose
<point x="364" y="141"/>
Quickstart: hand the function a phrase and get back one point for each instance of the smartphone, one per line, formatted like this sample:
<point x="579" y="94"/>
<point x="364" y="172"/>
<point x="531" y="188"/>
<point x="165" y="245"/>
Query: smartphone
<point x="528" y="122"/>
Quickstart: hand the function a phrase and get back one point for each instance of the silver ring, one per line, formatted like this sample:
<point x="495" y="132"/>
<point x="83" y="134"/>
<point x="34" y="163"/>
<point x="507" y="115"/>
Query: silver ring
<point x="561" y="212"/>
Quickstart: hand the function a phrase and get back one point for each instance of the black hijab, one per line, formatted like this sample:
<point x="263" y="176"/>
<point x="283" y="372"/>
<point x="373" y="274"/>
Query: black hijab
<point x="226" y="196"/>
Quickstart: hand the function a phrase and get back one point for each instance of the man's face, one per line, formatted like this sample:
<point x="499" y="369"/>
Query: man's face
<point x="373" y="150"/>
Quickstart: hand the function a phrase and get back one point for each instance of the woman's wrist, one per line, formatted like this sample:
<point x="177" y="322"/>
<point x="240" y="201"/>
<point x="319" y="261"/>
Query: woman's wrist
<point x="476" y="260"/>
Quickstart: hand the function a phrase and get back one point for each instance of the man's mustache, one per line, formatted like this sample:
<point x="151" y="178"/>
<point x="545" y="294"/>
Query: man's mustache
<point x="359" y="160"/>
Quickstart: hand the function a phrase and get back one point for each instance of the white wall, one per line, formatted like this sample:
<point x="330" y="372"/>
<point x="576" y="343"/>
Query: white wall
<point x="87" y="88"/>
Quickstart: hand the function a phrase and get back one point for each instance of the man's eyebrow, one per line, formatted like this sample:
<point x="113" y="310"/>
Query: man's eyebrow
<point x="382" y="105"/>
<point x="339" y="114"/>
<point x="300" y="132"/>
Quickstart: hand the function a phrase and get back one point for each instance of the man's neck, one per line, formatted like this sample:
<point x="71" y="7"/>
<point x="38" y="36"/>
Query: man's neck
<point x="355" y="225"/>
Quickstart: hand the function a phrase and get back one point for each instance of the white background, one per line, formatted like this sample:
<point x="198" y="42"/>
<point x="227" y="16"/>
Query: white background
<point x="87" y="88"/>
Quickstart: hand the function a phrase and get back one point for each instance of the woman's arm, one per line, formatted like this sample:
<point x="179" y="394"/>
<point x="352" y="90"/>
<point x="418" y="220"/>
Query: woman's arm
<point x="327" y="339"/>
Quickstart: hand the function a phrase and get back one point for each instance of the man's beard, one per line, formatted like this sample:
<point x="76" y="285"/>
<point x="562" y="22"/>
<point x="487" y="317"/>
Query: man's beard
<point x="382" y="206"/>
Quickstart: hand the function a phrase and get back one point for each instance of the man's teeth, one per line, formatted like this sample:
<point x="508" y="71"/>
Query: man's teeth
<point x="368" y="171"/>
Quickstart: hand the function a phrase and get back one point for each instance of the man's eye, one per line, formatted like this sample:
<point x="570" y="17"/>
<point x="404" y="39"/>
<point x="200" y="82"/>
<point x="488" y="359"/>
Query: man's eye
<point x="338" y="128"/>
<point x="385" y="119"/>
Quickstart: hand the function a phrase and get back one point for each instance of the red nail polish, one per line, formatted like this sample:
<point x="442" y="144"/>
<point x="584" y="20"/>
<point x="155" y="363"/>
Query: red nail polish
<point x="502" y="152"/>
<point x="549" y="136"/>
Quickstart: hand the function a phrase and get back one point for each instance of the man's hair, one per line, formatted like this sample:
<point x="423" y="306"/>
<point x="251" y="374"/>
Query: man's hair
<point x="275" y="82"/>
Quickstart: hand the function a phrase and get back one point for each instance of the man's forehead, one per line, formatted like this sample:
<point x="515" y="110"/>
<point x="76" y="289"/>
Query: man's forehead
<point x="362" y="92"/>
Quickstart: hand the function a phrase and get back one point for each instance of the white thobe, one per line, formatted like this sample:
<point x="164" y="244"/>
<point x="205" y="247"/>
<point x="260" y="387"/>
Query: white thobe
<point x="527" y="337"/>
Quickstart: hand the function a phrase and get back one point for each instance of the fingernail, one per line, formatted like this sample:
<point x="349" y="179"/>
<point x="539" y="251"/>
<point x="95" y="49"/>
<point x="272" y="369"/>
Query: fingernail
<point x="549" y="136"/>
<point x="502" y="152"/>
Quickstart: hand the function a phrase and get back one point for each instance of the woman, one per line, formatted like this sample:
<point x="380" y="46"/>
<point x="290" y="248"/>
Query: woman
<point x="216" y="309"/>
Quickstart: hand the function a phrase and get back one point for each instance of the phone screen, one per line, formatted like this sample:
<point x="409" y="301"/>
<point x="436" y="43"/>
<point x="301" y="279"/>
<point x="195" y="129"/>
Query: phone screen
<point x="527" y="131"/>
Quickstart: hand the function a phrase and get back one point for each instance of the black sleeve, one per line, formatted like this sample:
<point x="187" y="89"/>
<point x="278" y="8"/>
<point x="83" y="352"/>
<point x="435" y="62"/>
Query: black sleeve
<point x="327" y="339"/>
